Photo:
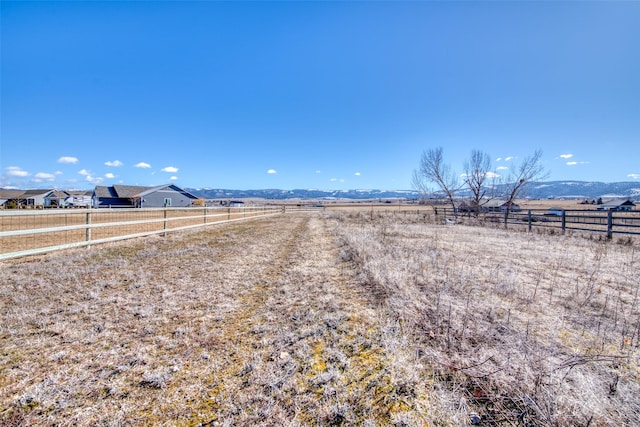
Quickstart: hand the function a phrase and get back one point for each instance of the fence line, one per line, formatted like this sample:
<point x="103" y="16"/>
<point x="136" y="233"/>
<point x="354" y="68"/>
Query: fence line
<point x="608" y="222"/>
<point x="35" y="232"/>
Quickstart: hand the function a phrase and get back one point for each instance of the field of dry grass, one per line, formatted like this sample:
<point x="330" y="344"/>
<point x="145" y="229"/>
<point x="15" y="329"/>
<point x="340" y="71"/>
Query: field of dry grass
<point x="335" y="318"/>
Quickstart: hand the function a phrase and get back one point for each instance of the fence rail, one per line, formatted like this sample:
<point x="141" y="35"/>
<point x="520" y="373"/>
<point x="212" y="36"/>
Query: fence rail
<point x="34" y="232"/>
<point x="607" y="222"/>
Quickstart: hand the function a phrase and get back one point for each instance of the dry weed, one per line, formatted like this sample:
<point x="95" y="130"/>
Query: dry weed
<point x="354" y="318"/>
<point x="524" y="329"/>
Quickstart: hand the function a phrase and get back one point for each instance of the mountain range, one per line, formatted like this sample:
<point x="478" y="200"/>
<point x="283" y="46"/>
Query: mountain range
<point x="534" y="190"/>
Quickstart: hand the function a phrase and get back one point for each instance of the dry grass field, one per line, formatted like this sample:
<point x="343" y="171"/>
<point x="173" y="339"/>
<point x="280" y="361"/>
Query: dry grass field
<point x="334" y="318"/>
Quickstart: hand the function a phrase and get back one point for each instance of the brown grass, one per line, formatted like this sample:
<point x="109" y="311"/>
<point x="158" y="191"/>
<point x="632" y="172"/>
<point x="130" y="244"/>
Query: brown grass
<point x="523" y="328"/>
<point x="343" y="318"/>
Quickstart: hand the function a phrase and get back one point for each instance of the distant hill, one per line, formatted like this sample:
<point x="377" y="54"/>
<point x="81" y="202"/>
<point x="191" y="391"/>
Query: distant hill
<point x="208" y="193"/>
<point x="535" y="190"/>
<point x="583" y="189"/>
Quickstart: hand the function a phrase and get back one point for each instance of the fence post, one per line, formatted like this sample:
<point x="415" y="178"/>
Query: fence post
<point x="506" y="217"/>
<point x="229" y="213"/>
<point x="205" y="215"/>
<point x="529" y="219"/>
<point x="164" y="223"/>
<point x="610" y="224"/>
<point x="88" y="224"/>
<point x="564" y="220"/>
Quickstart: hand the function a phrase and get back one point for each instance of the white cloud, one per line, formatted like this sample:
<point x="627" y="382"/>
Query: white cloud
<point x="634" y="175"/>
<point x="17" y="172"/>
<point x="272" y="171"/>
<point x="318" y="171"/>
<point x="498" y="159"/>
<point x="333" y="179"/>
<point x="357" y="174"/>
<point x="44" y="177"/>
<point x="109" y="175"/>
<point x="142" y="165"/>
<point x="502" y="168"/>
<point x="573" y="163"/>
<point x="173" y="178"/>
<point x="90" y="178"/>
<point x="566" y="156"/>
<point x="509" y="158"/>
<point x="94" y="180"/>
<point x="170" y="169"/>
<point x="68" y="159"/>
<point x="491" y="175"/>
<point x="114" y="163"/>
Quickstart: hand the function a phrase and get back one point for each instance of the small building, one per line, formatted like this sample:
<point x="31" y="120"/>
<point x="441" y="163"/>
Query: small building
<point x="497" y="205"/>
<point x="465" y="206"/>
<point x="56" y="199"/>
<point x="10" y="198"/>
<point x="40" y="198"/>
<point x="78" y="199"/>
<point x="132" y="196"/>
<point x="555" y="211"/>
<point x="617" y="205"/>
<point x="487" y="205"/>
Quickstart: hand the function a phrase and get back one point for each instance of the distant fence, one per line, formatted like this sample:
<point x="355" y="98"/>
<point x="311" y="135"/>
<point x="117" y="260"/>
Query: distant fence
<point x="607" y="222"/>
<point x="31" y="232"/>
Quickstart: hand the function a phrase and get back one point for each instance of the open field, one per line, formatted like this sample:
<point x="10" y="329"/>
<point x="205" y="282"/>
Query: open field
<point x="334" y="318"/>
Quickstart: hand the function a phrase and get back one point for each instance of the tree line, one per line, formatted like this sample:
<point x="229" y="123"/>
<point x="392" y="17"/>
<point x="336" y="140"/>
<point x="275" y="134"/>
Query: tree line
<point x="478" y="177"/>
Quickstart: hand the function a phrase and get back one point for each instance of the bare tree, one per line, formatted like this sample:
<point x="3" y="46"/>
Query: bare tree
<point x="421" y="185"/>
<point x="476" y="172"/>
<point x="433" y="169"/>
<point x="531" y="169"/>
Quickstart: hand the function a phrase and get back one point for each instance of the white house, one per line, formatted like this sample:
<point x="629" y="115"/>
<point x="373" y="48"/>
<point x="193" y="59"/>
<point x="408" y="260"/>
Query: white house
<point x="617" y="205"/>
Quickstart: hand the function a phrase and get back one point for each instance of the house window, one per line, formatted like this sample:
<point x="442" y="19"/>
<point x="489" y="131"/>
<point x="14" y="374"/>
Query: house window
<point x="167" y="202"/>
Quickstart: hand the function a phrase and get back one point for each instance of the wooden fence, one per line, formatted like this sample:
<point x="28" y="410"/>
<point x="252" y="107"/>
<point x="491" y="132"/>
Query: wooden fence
<point x="605" y="222"/>
<point x="30" y="232"/>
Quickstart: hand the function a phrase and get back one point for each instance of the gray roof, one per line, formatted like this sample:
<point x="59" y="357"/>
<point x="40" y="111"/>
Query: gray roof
<point x="32" y="193"/>
<point x="120" y="191"/>
<point x="103" y="191"/>
<point x="135" y="191"/>
<point x="621" y="202"/>
<point x="10" y="194"/>
<point x="494" y="203"/>
<point x="174" y="187"/>
<point x="129" y="191"/>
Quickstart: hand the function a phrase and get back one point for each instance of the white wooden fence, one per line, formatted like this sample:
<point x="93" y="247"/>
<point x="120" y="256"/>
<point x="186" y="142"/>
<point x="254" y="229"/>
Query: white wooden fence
<point x="31" y="232"/>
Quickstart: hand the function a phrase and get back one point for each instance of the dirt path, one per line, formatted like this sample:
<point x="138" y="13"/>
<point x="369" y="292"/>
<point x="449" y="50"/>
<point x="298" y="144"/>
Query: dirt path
<point x="302" y="348"/>
<point x="250" y="324"/>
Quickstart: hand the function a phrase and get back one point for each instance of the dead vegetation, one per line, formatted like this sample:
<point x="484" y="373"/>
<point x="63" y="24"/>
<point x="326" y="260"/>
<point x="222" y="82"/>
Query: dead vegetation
<point x="517" y="328"/>
<point x="343" y="319"/>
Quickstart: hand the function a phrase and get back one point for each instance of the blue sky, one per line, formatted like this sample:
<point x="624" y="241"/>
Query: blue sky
<point x="327" y="95"/>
